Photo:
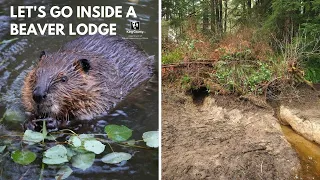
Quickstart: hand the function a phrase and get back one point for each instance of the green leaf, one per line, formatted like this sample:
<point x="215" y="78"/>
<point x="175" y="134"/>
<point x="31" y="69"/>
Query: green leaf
<point x="51" y="137"/>
<point x="131" y="142"/>
<point x="12" y="115"/>
<point x="2" y="148"/>
<point x="64" y="172"/>
<point x="116" y="157"/>
<point x="55" y="155"/>
<point x="118" y="133"/>
<point x="32" y="137"/>
<point x="151" y="138"/>
<point x="83" y="161"/>
<point x="70" y="153"/>
<point x="94" y="146"/>
<point x="79" y="150"/>
<point x="75" y="141"/>
<point x="23" y="157"/>
<point x="86" y="136"/>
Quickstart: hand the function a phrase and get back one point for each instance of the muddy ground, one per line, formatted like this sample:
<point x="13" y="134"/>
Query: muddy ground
<point x="222" y="138"/>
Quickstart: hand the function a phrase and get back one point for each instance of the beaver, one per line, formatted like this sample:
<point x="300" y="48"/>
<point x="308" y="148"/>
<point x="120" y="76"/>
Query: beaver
<point x="87" y="77"/>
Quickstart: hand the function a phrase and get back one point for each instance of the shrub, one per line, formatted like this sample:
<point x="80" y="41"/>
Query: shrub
<point x="173" y="56"/>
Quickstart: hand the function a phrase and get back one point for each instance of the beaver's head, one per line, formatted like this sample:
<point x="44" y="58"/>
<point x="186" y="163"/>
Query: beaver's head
<point x="59" y="82"/>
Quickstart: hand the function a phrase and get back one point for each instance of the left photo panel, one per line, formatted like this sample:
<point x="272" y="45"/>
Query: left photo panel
<point x="79" y="89"/>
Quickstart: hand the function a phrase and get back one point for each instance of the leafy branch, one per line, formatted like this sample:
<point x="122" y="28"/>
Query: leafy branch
<point x="79" y="149"/>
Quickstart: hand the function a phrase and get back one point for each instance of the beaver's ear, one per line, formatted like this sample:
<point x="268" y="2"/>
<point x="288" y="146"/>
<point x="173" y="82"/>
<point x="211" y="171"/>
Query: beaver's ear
<point x="42" y="55"/>
<point x="83" y="64"/>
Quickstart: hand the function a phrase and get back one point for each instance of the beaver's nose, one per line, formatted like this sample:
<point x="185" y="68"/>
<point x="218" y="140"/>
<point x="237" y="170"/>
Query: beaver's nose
<point x="39" y="95"/>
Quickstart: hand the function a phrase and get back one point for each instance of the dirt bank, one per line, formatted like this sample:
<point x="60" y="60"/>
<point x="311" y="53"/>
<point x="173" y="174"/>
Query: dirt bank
<point x="222" y="139"/>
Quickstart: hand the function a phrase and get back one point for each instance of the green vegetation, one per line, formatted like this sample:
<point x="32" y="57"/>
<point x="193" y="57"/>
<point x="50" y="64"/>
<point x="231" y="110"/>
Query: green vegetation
<point x="79" y="149"/>
<point x="243" y="77"/>
<point x="313" y="74"/>
<point x="172" y="57"/>
<point x="249" y="43"/>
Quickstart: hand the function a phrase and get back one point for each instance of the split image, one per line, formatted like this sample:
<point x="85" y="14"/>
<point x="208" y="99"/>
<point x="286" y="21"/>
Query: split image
<point x="240" y="89"/>
<point x="150" y="89"/>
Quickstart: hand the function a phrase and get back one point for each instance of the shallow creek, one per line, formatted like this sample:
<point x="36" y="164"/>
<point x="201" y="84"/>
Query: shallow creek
<point x="308" y="152"/>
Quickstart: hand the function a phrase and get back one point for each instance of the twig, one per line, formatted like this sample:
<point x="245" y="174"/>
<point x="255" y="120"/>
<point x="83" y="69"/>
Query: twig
<point x="142" y="147"/>
<point x="69" y="131"/>
<point x="183" y="64"/>
<point x="21" y="178"/>
<point x="41" y="173"/>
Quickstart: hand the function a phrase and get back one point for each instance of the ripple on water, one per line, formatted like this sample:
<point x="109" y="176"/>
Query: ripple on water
<point x="8" y="51"/>
<point x="4" y="80"/>
<point x="13" y="94"/>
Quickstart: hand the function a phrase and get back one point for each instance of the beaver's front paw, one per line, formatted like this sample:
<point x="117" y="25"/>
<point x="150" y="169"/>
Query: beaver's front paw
<point x="51" y="124"/>
<point x="29" y="125"/>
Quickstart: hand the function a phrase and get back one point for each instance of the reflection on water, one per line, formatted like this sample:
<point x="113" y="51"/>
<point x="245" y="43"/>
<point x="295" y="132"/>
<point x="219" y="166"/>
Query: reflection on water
<point x="139" y="111"/>
<point x="309" y="154"/>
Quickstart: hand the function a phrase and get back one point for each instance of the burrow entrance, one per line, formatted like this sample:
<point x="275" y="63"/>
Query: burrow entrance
<point x="198" y="95"/>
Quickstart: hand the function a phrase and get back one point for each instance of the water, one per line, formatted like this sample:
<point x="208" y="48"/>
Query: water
<point x="308" y="152"/>
<point x="139" y="111"/>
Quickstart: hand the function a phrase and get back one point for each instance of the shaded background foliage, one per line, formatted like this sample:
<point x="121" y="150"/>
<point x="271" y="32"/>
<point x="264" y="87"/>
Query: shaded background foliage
<point x="280" y="36"/>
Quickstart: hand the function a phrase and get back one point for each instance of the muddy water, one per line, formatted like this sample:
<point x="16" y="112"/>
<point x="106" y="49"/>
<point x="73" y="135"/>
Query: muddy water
<point x="139" y="111"/>
<point x="309" y="154"/>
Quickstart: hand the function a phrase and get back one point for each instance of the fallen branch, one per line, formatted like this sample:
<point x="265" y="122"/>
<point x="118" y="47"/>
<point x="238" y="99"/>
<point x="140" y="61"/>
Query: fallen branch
<point x="184" y="64"/>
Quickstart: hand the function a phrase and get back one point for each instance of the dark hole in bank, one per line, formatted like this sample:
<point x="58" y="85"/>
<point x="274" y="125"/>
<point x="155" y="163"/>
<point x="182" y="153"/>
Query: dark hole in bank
<point x="198" y="95"/>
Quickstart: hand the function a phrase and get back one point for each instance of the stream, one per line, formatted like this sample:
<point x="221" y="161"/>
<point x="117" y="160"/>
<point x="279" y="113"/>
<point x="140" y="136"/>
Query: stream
<point x="308" y="152"/>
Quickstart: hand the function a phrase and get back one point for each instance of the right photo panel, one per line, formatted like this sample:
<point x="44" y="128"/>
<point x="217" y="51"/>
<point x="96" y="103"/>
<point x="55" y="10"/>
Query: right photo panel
<point x="240" y="89"/>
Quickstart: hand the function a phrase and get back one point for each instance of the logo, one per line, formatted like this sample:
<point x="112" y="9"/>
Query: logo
<point x="134" y="32"/>
<point x="135" y="25"/>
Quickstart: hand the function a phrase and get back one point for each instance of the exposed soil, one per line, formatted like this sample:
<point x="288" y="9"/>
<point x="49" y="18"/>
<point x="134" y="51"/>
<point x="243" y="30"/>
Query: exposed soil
<point x="223" y="138"/>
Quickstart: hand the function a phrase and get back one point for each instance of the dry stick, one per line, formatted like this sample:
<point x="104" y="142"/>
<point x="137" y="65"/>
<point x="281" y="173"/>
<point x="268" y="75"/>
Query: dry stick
<point x="4" y="136"/>
<point x="142" y="147"/>
<point x="69" y="131"/>
<point x="21" y="178"/>
<point x="183" y="64"/>
<point x="261" y="166"/>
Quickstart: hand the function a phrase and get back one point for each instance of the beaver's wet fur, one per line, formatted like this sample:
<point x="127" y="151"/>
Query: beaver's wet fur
<point x="85" y="78"/>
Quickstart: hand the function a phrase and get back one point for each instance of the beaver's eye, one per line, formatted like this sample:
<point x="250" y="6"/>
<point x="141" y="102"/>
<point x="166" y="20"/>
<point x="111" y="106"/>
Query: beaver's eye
<point x="64" y="78"/>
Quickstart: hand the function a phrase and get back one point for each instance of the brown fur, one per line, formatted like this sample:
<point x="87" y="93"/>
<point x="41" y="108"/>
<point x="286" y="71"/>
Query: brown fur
<point x="116" y="67"/>
<point x="27" y="90"/>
